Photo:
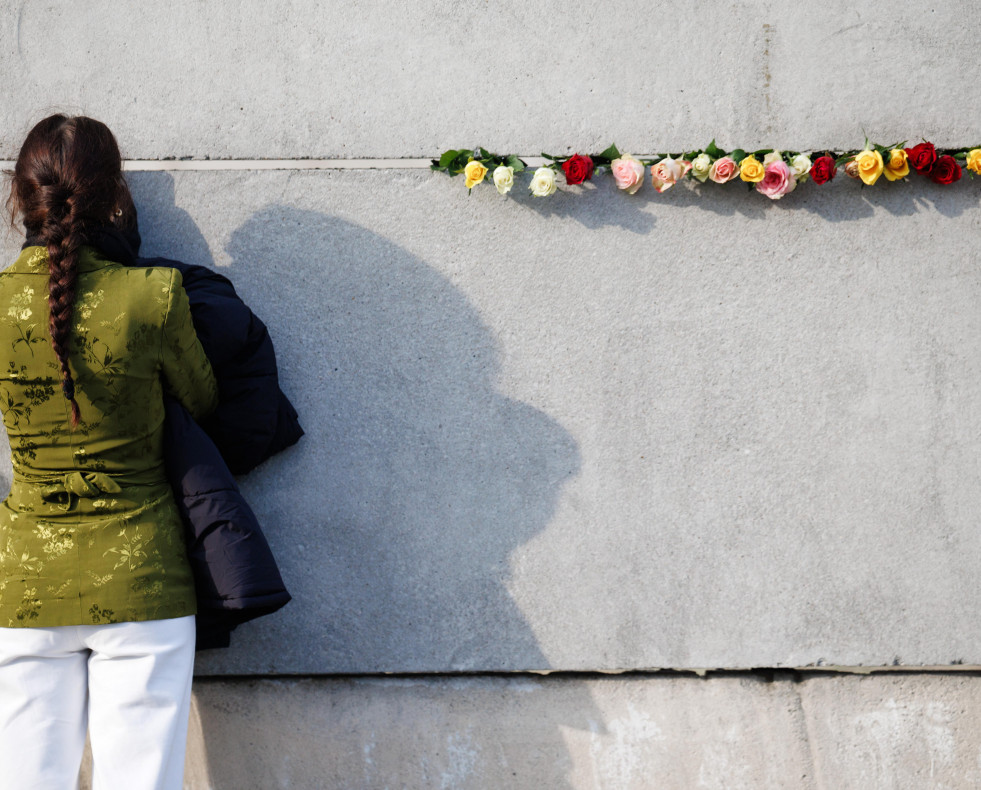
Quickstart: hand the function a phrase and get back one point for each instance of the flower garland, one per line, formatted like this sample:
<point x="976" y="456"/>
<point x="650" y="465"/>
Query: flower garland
<point x="773" y="173"/>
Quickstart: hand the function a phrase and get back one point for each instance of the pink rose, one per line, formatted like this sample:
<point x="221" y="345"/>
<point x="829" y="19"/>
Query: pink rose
<point x="724" y="169"/>
<point x="778" y="180"/>
<point x="666" y="173"/>
<point x="628" y="173"/>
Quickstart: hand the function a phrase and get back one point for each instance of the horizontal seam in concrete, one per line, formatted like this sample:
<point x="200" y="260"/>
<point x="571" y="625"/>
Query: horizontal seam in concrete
<point x="764" y="673"/>
<point x="278" y="164"/>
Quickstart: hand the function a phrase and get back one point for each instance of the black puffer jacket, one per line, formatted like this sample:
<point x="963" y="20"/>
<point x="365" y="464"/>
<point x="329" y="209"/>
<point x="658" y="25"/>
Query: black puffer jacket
<point x="235" y="575"/>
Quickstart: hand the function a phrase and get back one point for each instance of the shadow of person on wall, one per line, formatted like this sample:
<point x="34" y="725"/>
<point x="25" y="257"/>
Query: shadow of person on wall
<point x="396" y="518"/>
<point x="166" y="229"/>
<point x="417" y="478"/>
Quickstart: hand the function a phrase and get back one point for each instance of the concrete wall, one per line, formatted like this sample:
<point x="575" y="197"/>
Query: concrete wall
<point x="594" y="432"/>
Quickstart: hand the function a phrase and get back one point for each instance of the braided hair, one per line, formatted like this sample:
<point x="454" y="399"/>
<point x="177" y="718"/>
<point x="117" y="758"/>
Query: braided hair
<point x="67" y="181"/>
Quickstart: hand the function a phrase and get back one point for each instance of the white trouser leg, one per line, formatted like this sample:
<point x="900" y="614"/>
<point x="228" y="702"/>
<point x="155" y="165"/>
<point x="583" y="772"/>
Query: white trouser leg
<point x="42" y="708"/>
<point x="139" y="702"/>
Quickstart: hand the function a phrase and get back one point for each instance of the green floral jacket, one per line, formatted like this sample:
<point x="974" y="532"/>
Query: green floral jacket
<point x="90" y="532"/>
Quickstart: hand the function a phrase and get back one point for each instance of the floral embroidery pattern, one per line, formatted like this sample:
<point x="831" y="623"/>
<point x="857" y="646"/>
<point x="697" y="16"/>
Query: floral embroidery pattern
<point x="89" y="532"/>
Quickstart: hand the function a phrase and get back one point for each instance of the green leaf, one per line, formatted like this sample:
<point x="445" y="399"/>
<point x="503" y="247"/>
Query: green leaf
<point x="610" y="153"/>
<point x="714" y="151"/>
<point x="738" y="155"/>
<point x="447" y="158"/>
<point x="517" y="164"/>
<point x="460" y="162"/>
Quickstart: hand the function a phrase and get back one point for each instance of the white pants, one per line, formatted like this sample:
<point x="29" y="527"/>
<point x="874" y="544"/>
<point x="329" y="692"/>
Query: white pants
<point x="129" y="683"/>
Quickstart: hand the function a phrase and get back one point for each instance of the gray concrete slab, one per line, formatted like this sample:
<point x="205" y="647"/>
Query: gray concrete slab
<point x="301" y="78"/>
<point x="600" y="431"/>
<point x="499" y="733"/>
<point x="625" y="733"/>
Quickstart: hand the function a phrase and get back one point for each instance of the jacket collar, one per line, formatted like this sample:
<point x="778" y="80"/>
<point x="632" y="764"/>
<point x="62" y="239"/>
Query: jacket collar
<point x="121" y="246"/>
<point x="34" y="260"/>
<point x="106" y="245"/>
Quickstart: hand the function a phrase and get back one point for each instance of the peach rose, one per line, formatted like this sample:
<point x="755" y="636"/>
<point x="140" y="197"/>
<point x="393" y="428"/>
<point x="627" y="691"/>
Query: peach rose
<point x="628" y="173"/>
<point x="666" y="173"/>
<point x="724" y="169"/>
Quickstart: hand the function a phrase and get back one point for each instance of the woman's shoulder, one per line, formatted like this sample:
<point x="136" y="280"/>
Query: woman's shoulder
<point x="146" y="291"/>
<point x="133" y="278"/>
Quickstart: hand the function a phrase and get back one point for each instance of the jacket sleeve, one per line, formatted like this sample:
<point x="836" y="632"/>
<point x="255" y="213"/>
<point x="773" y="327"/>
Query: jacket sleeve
<point x="186" y="370"/>
<point x="254" y="419"/>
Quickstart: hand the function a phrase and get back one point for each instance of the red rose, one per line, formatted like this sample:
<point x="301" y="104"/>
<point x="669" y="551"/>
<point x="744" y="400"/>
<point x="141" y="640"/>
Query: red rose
<point x="922" y="157"/>
<point x="823" y="170"/>
<point x="577" y="169"/>
<point x="946" y="171"/>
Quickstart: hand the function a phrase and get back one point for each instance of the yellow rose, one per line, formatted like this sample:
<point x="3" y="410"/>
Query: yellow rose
<point x="474" y="172"/>
<point x="751" y="170"/>
<point x="869" y="165"/>
<point x="974" y="160"/>
<point x="898" y="166"/>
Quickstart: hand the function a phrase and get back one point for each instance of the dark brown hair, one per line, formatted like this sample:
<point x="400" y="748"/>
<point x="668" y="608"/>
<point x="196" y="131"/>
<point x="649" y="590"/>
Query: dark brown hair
<point x="67" y="181"/>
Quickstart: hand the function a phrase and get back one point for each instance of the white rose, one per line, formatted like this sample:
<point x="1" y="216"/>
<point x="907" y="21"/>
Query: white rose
<point x="543" y="182"/>
<point x="700" y="167"/>
<point x="503" y="178"/>
<point x="773" y="156"/>
<point x="801" y="166"/>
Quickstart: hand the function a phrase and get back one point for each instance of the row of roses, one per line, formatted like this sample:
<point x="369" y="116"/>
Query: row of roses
<point x="774" y="173"/>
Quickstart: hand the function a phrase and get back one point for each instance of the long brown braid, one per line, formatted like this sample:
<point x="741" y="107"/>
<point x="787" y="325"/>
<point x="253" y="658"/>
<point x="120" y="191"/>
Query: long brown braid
<point x="67" y="180"/>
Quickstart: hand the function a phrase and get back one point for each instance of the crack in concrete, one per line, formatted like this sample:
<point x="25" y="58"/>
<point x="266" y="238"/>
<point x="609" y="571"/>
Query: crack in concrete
<point x="806" y="730"/>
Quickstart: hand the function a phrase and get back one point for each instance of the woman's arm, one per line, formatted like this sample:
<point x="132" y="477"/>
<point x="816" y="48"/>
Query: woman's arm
<point x="187" y="372"/>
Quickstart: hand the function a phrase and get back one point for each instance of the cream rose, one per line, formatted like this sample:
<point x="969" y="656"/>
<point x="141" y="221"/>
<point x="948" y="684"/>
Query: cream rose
<point x="503" y="178"/>
<point x="700" y="167"/>
<point x="543" y="182"/>
<point x="801" y="166"/>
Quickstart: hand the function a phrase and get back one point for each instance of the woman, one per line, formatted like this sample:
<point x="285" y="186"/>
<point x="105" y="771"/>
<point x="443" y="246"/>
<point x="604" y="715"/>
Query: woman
<point x="97" y="600"/>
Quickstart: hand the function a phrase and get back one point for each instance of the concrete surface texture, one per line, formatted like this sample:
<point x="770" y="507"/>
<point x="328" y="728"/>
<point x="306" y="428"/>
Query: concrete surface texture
<point x="605" y="432"/>
<point x="296" y="78"/>
<point x="626" y="733"/>
<point x="594" y="432"/>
